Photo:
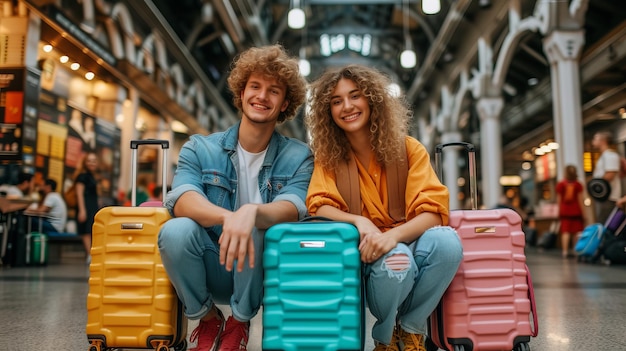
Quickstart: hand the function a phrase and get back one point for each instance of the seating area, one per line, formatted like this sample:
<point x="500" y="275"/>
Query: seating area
<point x="64" y="247"/>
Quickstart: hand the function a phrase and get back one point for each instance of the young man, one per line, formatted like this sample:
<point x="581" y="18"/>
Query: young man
<point x="21" y="189"/>
<point x="52" y="209"/>
<point x="607" y="167"/>
<point x="230" y="187"/>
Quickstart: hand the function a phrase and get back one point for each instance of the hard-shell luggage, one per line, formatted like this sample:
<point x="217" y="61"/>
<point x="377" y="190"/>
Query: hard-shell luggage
<point x="36" y="249"/>
<point x="131" y="302"/>
<point x="313" y="292"/>
<point x="489" y="304"/>
<point x="616" y="222"/>
<point x="36" y="243"/>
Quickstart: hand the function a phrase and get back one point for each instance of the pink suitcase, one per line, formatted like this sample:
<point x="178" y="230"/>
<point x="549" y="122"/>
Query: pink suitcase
<point x="490" y="303"/>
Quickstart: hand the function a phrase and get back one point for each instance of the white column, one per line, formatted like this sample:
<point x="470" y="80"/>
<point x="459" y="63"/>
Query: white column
<point x="451" y="167"/>
<point x="489" y="109"/>
<point x="563" y="49"/>
<point x="129" y="132"/>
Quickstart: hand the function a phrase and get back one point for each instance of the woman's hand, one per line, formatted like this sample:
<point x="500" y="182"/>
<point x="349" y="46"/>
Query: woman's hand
<point x="82" y="216"/>
<point x="374" y="244"/>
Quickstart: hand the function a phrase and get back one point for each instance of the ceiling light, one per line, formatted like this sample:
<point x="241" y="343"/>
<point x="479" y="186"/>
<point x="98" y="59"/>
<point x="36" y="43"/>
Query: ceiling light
<point x="89" y="75"/>
<point x="526" y="165"/>
<point x="305" y="67"/>
<point x="431" y="7"/>
<point x="408" y="58"/>
<point x="394" y="89"/>
<point x="296" y="18"/>
<point x="64" y="59"/>
<point x="367" y="45"/>
<point x="325" y="45"/>
<point x="304" y="64"/>
<point x="75" y="66"/>
<point x="510" y="180"/>
<point x="533" y="81"/>
<point x="553" y="145"/>
<point x="47" y="48"/>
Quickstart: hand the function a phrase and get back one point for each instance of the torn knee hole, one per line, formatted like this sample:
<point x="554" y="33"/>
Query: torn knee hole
<point x="398" y="262"/>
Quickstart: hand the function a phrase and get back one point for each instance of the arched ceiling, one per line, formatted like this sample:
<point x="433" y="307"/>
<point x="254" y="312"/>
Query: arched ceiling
<point x="215" y="30"/>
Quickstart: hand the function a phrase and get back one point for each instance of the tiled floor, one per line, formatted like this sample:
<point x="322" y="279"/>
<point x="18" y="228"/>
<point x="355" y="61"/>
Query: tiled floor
<point x="581" y="307"/>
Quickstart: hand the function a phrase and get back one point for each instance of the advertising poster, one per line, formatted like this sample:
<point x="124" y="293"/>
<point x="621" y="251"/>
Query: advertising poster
<point x="11" y="111"/>
<point x="107" y="141"/>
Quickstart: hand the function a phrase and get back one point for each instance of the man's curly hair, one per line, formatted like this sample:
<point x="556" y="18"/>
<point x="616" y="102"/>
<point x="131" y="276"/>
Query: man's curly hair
<point x="271" y="61"/>
<point x="389" y="117"/>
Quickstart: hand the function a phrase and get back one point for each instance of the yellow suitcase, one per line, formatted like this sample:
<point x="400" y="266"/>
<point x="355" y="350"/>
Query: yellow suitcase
<point x="131" y="302"/>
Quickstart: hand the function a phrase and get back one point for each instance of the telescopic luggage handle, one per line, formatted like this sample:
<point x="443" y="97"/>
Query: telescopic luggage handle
<point x="165" y="144"/>
<point x="471" y="154"/>
<point x="134" y="144"/>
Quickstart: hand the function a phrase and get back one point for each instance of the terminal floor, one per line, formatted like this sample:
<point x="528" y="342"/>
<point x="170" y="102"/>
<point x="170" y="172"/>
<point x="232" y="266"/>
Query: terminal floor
<point x="580" y="306"/>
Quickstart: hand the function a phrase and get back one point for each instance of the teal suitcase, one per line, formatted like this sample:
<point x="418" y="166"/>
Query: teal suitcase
<point x="313" y="297"/>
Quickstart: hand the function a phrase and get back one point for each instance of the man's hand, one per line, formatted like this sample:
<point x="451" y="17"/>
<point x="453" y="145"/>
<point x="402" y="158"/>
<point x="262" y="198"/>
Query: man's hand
<point x="236" y="241"/>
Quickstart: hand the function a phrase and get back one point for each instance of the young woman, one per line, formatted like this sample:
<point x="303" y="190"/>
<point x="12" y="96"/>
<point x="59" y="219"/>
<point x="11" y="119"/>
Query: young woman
<point x="409" y="263"/>
<point x="569" y="195"/>
<point x="87" y="196"/>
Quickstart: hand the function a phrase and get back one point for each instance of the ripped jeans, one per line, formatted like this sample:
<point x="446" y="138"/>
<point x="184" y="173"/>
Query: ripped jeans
<point x="406" y="292"/>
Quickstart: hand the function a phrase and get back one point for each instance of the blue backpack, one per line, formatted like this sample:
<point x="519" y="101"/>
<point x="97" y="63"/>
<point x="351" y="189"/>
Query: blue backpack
<point x="589" y="240"/>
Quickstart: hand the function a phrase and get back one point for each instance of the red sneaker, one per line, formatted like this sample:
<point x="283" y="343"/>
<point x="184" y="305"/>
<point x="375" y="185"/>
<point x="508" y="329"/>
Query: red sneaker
<point x="208" y="333"/>
<point x="235" y="335"/>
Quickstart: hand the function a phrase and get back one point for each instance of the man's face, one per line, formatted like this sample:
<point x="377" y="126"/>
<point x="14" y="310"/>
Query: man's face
<point x="25" y="186"/>
<point x="263" y="99"/>
<point x="597" y="141"/>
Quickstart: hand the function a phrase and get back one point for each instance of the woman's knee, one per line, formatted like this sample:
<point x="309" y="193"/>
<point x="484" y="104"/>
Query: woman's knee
<point x="445" y="243"/>
<point x="398" y="263"/>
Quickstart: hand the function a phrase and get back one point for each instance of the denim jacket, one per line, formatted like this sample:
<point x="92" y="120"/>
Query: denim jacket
<point x="208" y="165"/>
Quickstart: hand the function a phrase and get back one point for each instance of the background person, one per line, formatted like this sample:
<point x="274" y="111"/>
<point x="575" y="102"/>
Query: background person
<point x="569" y="196"/>
<point x="21" y="189"/>
<point x="87" y="196"/>
<point x="52" y="207"/>
<point x="408" y="263"/>
<point x="607" y="167"/>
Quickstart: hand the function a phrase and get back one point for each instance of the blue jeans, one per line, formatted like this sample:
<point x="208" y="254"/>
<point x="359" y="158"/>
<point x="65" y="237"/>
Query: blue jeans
<point x="191" y="259"/>
<point x="46" y="226"/>
<point x="409" y="295"/>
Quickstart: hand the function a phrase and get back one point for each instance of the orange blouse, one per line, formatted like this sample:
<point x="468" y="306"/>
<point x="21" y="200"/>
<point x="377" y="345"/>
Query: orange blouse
<point x="424" y="191"/>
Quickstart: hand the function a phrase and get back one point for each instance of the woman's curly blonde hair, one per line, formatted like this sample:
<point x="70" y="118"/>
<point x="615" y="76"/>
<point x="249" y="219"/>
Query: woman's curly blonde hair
<point x="389" y="117"/>
<point x="271" y="61"/>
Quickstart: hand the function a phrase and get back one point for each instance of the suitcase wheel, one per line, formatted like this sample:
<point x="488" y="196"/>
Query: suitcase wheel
<point x="523" y="346"/>
<point x="459" y="348"/>
<point x="97" y="343"/>
<point x="182" y="346"/>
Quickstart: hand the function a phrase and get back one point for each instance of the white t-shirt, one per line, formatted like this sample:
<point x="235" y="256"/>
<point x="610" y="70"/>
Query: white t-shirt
<point x="58" y="210"/>
<point x="249" y="167"/>
<point x="11" y="191"/>
<point x="609" y="161"/>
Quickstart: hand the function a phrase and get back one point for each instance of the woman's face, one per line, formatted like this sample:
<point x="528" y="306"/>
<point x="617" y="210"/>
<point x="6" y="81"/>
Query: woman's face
<point x="91" y="162"/>
<point x="349" y="108"/>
